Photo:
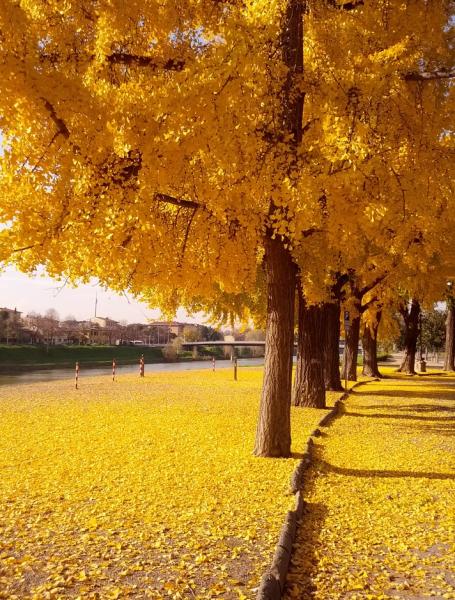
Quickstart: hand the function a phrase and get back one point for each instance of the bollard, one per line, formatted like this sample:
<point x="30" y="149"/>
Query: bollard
<point x="113" y="370"/>
<point x="213" y="363"/>
<point x="77" y="374"/>
<point x="141" y="366"/>
<point x="235" y="369"/>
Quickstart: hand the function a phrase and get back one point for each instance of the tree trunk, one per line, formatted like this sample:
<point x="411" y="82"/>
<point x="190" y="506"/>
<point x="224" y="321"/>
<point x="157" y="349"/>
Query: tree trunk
<point x="273" y="435"/>
<point x="351" y="348"/>
<point x="331" y="317"/>
<point x="411" y="322"/>
<point x="449" y="361"/>
<point x="370" y="348"/>
<point x="309" y="385"/>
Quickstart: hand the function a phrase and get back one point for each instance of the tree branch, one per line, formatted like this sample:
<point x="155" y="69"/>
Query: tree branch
<point x="373" y="284"/>
<point x="62" y="128"/>
<point x="345" y="5"/>
<point x="233" y="225"/>
<point x="403" y="310"/>
<point x="60" y="123"/>
<point x="187" y="233"/>
<point x="24" y="248"/>
<point x="366" y="306"/>
<point x="307" y="232"/>
<point x="442" y="73"/>
<point x="341" y="279"/>
<point x="176" y="201"/>
<point x="123" y="58"/>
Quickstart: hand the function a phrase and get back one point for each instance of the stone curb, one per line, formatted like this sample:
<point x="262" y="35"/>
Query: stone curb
<point x="273" y="581"/>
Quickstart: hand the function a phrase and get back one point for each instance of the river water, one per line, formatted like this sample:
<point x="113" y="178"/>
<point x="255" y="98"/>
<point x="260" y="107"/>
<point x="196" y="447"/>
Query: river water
<point x="34" y="376"/>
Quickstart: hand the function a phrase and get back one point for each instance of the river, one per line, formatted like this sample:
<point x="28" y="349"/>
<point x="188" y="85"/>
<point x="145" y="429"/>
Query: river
<point x="35" y="376"/>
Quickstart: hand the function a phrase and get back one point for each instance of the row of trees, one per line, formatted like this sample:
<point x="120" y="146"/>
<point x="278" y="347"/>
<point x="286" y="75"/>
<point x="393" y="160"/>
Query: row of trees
<point x="33" y="328"/>
<point x="242" y="158"/>
<point x="9" y="324"/>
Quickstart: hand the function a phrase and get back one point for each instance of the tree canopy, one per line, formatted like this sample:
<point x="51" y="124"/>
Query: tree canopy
<point x="173" y="148"/>
<point x="153" y="134"/>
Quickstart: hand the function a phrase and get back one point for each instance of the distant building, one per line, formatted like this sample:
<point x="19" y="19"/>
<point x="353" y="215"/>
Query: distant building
<point x="12" y="313"/>
<point x="44" y="329"/>
<point x="176" y="328"/>
<point x="104" y="322"/>
<point x="163" y="332"/>
<point x="102" y="331"/>
<point x="160" y="332"/>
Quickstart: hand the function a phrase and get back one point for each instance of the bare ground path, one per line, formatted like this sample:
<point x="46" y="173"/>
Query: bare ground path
<point x="380" y="518"/>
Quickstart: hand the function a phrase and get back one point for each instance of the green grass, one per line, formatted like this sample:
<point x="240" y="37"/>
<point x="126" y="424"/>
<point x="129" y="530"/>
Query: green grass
<point x="20" y="356"/>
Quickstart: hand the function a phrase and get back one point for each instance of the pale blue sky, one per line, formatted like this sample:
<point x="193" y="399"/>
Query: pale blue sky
<point x="39" y="293"/>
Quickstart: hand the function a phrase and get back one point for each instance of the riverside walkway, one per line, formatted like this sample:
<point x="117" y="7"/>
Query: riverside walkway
<point x="379" y="521"/>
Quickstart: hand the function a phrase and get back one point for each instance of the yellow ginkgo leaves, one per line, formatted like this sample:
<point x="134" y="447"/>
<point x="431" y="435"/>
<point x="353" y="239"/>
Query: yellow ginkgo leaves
<point x="139" y="489"/>
<point x="380" y="515"/>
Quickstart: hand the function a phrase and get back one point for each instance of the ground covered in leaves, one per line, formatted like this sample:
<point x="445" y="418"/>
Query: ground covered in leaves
<point x="380" y="518"/>
<point x="139" y="488"/>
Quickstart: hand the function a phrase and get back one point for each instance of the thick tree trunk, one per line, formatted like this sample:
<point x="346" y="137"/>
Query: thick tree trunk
<point x="449" y="360"/>
<point x="351" y="349"/>
<point x="331" y="323"/>
<point x="411" y="322"/>
<point x="309" y="385"/>
<point x="273" y="435"/>
<point x="370" y="348"/>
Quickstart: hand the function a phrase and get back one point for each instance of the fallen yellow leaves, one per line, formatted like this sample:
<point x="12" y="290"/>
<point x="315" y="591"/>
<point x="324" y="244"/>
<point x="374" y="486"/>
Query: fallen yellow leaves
<point x="380" y="518"/>
<point x="139" y="488"/>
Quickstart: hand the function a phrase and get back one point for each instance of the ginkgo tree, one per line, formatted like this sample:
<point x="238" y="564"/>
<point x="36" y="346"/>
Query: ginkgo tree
<point x="170" y="148"/>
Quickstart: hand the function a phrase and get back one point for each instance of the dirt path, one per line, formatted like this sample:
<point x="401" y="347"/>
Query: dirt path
<point x="380" y="519"/>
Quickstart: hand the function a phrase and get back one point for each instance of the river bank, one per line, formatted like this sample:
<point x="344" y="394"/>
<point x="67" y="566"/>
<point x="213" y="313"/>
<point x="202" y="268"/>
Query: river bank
<point x="16" y="359"/>
<point x="33" y="375"/>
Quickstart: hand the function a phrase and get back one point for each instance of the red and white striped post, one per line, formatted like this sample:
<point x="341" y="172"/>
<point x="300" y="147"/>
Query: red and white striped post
<point x="213" y="363"/>
<point x="141" y="366"/>
<point x="113" y="370"/>
<point x="77" y="374"/>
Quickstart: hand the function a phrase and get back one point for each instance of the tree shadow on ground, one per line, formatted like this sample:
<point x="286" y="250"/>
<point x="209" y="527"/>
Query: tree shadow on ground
<point x="297" y="455"/>
<point x="448" y="393"/>
<point x="329" y="468"/>
<point x="304" y="562"/>
<point x="436" y="429"/>
<point x="423" y="408"/>
<point x="441" y="378"/>
<point x="406" y="417"/>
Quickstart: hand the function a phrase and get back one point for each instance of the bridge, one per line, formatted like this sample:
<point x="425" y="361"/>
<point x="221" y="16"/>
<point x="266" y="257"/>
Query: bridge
<point x="231" y="344"/>
<point x="209" y="343"/>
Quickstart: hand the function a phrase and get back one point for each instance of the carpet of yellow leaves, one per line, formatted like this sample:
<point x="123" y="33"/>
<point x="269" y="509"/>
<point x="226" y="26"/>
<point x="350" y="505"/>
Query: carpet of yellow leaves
<point x="139" y="488"/>
<point x="380" y="520"/>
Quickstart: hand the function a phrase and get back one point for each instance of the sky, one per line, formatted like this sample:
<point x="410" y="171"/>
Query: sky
<point x="39" y="293"/>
